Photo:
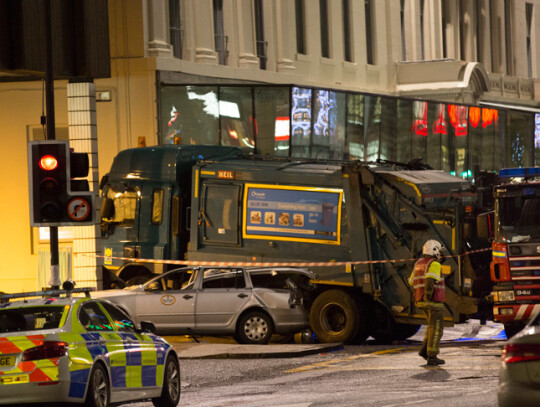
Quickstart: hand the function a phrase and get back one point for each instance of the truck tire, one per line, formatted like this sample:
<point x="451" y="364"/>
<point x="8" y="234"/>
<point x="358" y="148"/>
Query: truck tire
<point x="405" y="331"/>
<point x="382" y="325"/>
<point x="334" y="317"/>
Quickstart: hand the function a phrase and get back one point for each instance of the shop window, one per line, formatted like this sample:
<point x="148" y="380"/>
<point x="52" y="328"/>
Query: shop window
<point x="272" y="126"/>
<point x="236" y="116"/>
<point x="388" y="143"/>
<point x="403" y="131"/>
<point x="189" y="115"/>
<point x="301" y="122"/>
<point x="373" y="127"/>
<point x="354" y="148"/>
<point x="519" y="139"/>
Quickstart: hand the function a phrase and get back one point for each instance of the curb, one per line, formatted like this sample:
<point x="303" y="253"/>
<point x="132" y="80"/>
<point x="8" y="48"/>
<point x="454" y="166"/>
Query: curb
<point x="262" y="351"/>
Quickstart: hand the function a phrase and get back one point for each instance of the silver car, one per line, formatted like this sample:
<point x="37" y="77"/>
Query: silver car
<point x="250" y="304"/>
<point x="519" y="374"/>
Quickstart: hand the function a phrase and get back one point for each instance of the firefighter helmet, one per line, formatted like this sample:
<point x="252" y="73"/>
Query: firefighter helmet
<point x="432" y="248"/>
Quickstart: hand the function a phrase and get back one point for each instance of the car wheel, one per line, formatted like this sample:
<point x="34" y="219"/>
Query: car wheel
<point x="334" y="317"/>
<point x="254" y="328"/>
<point x="99" y="392"/>
<point x="170" y="394"/>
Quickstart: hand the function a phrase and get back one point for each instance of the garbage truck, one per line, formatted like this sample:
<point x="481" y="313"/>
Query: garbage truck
<point x="515" y="267"/>
<point x="359" y="226"/>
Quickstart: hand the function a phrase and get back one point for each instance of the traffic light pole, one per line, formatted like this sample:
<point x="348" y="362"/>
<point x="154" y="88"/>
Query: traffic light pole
<point x="49" y="100"/>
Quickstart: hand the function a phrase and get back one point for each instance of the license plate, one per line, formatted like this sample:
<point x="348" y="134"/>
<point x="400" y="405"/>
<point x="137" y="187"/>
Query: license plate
<point x="15" y="379"/>
<point x="7" y="361"/>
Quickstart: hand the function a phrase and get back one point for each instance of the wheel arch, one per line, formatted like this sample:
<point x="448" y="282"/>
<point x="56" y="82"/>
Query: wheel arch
<point x="97" y="361"/>
<point x="252" y="309"/>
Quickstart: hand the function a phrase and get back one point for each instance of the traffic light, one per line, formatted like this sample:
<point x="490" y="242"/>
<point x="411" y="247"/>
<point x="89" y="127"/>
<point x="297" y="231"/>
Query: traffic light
<point x="56" y="199"/>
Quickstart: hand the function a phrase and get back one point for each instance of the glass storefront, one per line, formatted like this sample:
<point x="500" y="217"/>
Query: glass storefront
<point x="291" y="121"/>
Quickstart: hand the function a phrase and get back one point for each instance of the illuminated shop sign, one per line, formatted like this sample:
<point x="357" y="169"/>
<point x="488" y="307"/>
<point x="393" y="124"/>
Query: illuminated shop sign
<point x="457" y="116"/>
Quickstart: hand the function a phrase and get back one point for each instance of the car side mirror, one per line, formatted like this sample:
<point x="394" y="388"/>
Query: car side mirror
<point x="147" y="326"/>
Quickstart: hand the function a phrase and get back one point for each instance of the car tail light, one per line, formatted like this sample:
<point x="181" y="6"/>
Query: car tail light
<point x="520" y="352"/>
<point x="48" y="350"/>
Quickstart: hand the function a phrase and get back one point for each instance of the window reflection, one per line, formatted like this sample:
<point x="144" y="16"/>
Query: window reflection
<point x="318" y="123"/>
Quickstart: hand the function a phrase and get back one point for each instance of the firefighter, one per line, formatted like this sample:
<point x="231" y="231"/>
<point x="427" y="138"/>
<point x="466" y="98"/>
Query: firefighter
<point x="428" y="286"/>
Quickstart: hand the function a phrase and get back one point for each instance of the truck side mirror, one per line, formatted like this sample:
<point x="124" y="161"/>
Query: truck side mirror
<point x="103" y="181"/>
<point x="483" y="225"/>
<point x="107" y="208"/>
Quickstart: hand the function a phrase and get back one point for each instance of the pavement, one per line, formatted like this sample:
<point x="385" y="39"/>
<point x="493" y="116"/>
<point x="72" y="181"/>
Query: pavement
<point x="188" y="347"/>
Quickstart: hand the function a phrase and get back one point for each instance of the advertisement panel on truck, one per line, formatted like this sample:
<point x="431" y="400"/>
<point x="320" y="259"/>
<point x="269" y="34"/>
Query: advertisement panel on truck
<point x="302" y="214"/>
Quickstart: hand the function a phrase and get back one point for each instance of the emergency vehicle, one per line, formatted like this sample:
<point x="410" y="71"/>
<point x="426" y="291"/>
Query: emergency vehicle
<point x="515" y="267"/>
<point x="56" y="347"/>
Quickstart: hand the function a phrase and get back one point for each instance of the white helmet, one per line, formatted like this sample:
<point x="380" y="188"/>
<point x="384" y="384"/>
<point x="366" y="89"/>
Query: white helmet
<point x="432" y="248"/>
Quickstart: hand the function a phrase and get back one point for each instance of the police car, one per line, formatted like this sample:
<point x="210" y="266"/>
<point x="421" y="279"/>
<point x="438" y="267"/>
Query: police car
<point x="63" y="347"/>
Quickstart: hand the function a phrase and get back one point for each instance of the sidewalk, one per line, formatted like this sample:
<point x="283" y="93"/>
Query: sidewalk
<point x="227" y="348"/>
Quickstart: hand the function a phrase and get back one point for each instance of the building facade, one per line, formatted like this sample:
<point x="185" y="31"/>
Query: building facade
<point x="453" y="82"/>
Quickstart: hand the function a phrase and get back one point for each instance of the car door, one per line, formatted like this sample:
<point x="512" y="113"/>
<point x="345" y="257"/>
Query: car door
<point x="104" y="343"/>
<point x="140" y="353"/>
<point x="169" y="305"/>
<point x="222" y="296"/>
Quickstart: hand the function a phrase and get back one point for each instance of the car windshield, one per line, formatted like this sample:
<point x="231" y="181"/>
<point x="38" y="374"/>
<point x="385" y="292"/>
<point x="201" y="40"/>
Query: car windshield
<point x="30" y="318"/>
<point x="173" y="280"/>
<point x="519" y="219"/>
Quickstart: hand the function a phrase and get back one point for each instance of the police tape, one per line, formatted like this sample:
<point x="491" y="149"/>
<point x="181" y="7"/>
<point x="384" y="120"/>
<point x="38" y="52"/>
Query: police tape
<point x="273" y="264"/>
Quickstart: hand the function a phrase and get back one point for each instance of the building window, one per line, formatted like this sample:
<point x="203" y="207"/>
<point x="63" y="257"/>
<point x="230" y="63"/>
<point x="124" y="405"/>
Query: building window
<point x="529" y="17"/>
<point x="479" y="32"/>
<point x="219" y="32"/>
<point x="300" y="27"/>
<point x="346" y="12"/>
<point x="175" y="28"/>
<point x="369" y="32"/>
<point x="422" y="30"/>
<point x="325" y="34"/>
<point x="259" y="34"/>
<point x="445" y="22"/>
<point x="403" y="35"/>
<point x="508" y="19"/>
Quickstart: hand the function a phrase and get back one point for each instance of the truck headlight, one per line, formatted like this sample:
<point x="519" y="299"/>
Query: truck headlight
<point x="502" y="296"/>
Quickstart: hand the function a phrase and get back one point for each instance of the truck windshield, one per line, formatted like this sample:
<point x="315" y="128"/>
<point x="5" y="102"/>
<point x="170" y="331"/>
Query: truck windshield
<point x="31" y="318"/>
<point x="519" y="219"/>
<point x="125" y="203"/>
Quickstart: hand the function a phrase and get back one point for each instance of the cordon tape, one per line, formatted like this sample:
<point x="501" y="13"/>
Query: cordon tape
<point x="273" y="264"/>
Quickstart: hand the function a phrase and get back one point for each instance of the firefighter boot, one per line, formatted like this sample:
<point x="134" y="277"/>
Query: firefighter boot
<point x="423" y="351"/>
<point x="434" y="361"/>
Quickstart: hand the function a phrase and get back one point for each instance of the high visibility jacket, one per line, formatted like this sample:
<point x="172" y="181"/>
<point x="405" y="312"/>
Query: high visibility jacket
<point x="424" y="268"/>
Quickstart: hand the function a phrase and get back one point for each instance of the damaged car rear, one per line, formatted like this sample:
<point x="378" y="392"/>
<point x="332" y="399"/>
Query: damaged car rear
<point x="251" y="304"/>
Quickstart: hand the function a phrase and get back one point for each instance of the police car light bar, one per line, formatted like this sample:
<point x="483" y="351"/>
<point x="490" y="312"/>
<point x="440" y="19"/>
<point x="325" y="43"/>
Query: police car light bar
<point x="520" y="172"/>
<point x="49" y="293"/>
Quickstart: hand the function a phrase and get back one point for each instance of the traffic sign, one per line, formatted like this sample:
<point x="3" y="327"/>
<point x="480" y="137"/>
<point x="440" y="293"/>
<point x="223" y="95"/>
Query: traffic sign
<point x="78" y="209"/>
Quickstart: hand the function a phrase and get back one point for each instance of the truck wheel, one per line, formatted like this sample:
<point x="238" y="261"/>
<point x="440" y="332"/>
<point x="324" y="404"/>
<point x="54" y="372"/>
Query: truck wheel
<point x="405" y="331"/>
<point x="334" y="317"/>
<point x="254" y="328"/>
<point x="382" y="325"/>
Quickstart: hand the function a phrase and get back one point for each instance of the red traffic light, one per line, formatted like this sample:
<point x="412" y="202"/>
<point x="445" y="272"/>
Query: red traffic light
<point x="48" y="163"/>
